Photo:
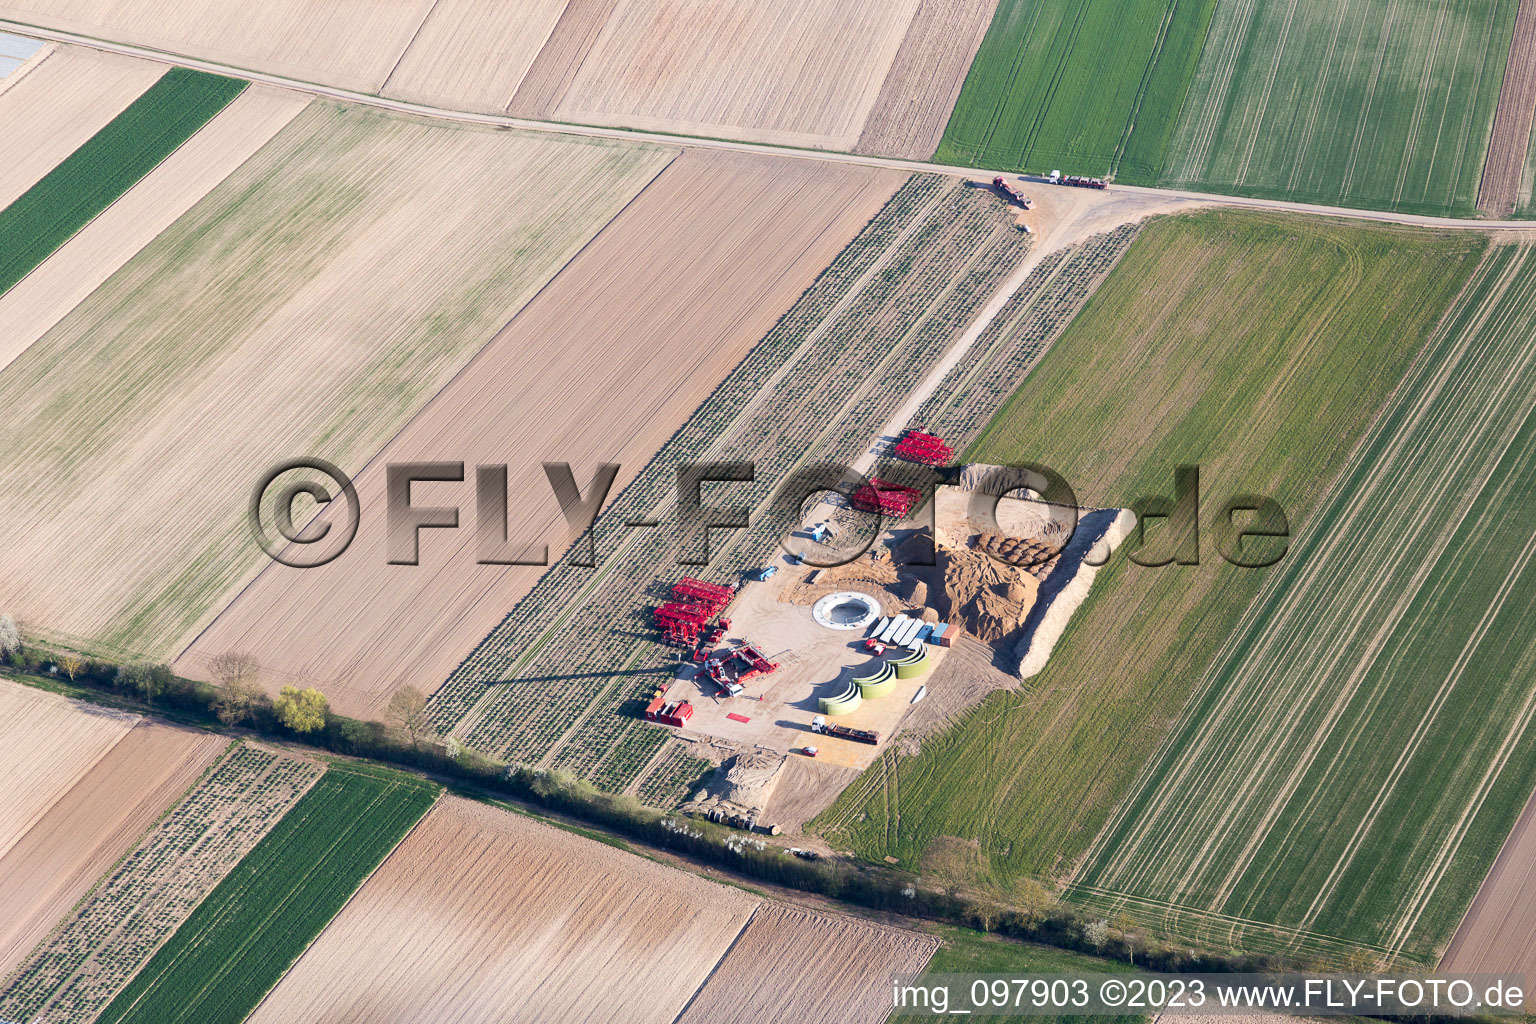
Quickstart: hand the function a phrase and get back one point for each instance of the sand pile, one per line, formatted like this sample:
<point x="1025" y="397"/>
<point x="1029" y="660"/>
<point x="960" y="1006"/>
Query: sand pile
<point x="742" y="784"/>
<point x="988" y="599"/>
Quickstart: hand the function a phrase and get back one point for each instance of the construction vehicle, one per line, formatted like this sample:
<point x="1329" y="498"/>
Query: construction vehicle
<point x="1077" y="181"/>
<point x="819" y="724"/>
<point x="668" y="714"/>
<point x="766" y="573"/>
<point x="1009" y="192"/>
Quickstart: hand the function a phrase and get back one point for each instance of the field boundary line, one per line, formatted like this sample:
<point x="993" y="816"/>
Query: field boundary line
<point x="409" y="43"/>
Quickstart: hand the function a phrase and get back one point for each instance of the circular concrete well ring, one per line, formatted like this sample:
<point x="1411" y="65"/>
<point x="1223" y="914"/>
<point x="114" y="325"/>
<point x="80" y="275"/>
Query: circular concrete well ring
<point x="847" y="609"/>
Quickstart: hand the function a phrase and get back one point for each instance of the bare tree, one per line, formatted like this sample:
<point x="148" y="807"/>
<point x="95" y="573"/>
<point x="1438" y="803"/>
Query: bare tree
<point x="407" y="710"/>
<point x="236" y="676"/>
<point x="71" y="664"/>
<point x="10" y="637"/>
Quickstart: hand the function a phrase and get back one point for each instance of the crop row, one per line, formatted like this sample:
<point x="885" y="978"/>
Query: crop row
<point x="108" y="164"/>
<point x="77" y="971"/>
<point x="240" y="941"/>
<point x="673" y="776"/>
<point x="878" y="328"/>
<point x="558" y="588"/>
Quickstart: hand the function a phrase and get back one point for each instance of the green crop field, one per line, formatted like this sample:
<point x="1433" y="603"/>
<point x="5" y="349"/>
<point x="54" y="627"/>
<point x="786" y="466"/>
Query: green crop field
<point x="1376" y="103"/>
<point x="92" y="177"/>
<point x="1257" y="346"/>
<point x="241" y="939"/>
<point x="1084" y="86"/>
<point x="1361" y="747"/>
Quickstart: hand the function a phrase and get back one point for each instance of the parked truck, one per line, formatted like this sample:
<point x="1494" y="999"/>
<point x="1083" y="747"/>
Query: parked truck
<point x="1009" y="192"/>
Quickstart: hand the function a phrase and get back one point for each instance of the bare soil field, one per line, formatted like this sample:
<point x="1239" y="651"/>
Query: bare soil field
<point x="47" y="744"/>
<point x="44" y="297"/>
<point x="91" y="826"/>
<point x="811" y="968"/>
<point x="483" y="915"/>
<point x="472" y="55"/>
<point x="72" y="976"/>
<point x="552" y="70"/>
<point x="805" y="789"/>
<point x="1498" y="934"/>
<point x="795" y="72"/>
<point x="307" y="306"/>
<point x="603" y="366"/>
<point x="924" y="81"/>
<point x="348" y="43"/>
<point x="58" y="104"/>
<point x="1499" y="192"/>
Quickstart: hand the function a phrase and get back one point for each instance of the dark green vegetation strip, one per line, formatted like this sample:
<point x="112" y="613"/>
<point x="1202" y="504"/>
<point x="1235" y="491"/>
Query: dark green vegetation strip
<point x="1084" y="86"/>
<point x="1258" y="346"/>
<point x="971" y="952"/>
<point x="1360" y="750"/>
<point x="245" y="935"/>
<point x="110" y="163"/>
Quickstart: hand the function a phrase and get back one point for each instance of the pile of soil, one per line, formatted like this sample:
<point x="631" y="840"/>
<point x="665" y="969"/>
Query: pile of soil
<point x="742" y="784"/>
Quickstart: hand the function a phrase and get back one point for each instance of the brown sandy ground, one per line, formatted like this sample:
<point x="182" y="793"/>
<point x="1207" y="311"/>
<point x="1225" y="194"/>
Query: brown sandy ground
<point x="307" y="306"/>
<point x="551" y="72"/>
<point x="794" y="72"/>
<point x="482" y="915"/>
<point x="60" y="103"/>
<point x="471" y="54"/>
<point x="348" y="43"/>
<point x="1499" y="192"/>
<point x="805" y="789"/>
<point x="90" y="827"/>
<point x="1498" y="933"/>
<point x="47" y="744"/>
<point x="44" y="297"/>
<point x="924" y="81"/>
<point x="602" y="367"/>
<point x="797" y="965"/>
<point x="72" y="976"/>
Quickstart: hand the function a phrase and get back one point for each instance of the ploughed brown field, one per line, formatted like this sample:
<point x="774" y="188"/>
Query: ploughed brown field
<point x="1500" y="191"/>
<point x="482" y="915"/>
<point x="601" y="367"/>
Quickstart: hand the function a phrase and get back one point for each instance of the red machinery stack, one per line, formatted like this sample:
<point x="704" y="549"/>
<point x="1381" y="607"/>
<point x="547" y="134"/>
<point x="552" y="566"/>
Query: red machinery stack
<point x="886" y="498"/>
<point x="684" y="619"/>
<point x="927" y="449"/>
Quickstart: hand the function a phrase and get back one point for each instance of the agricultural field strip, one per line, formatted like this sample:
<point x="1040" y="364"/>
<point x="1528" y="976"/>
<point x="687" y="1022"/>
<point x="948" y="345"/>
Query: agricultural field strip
<point x="75" y="973"/>
<point x="108" y="164"/>
<point x="92" y="826"/>
<point x="1489" y="406"/>
<point x="52" y="110"/>
<point x="1165" y="189"/>
<point x="1513" y="120"/>
<point x="250" y="929"/>
<point x="37" y="303"/>
<point x="916" y="325"/>
<point x="1381" y="103"/>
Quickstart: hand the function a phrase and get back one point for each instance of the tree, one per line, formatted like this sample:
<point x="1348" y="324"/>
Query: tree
<point x="236" y="676"/>
<point x="302" y="710"/>
<point x="71" y="664"/>
<point x="148" y="682"/>
<point x="1097" y="933"/>
<point x="10" y="638"/>
<point x="407" y="710"/>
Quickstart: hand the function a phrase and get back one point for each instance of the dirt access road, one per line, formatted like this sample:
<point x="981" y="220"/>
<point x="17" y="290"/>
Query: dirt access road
<point x="425" y="110"/>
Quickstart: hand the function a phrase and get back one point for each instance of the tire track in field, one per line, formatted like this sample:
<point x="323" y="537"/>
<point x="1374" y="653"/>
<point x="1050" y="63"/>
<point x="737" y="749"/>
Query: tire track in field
<point x="1263" y="102"/>
<point x="1182" y="778"/>
<point x="1370" y="98"/>
<point x="1317" y="96"/>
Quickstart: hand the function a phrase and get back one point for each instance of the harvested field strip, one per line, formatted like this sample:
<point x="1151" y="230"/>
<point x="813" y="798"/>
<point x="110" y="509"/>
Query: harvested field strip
<point x="107" y="165"/>
<point x="64" y="280"/>
<point x="808" y="967"/>
<point x="600" y="367"/>
<point x="482" y="914"/>
<point x="47" y="744"/>
<point x="1386" y="104"/>
<point x="822" y="383"/>
<point x="1063" y="83"/>
<point x="1258" y="346"/>
<point x="308" y="305"/>
<point x="90" y="827"/>
<point x="924" y="81"/>
<point x="239" y="941"/>
<point x="1496" y="935"/>
<point x="1513" y="121"/>
<point x="58" y="105"/>
<point x="1381" y="679"/>
<point x="77" y="971"/>
<point x="472" y="55"/>
<point x="569" y="42"/>
<point x="342" y="43"/>
<point x="791" y="72"/>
